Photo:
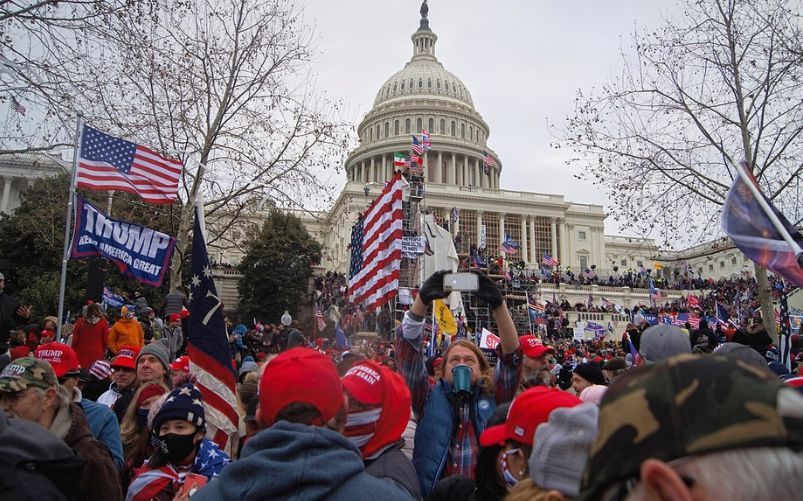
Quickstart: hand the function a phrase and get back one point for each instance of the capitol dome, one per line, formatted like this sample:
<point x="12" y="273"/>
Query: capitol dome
<point x="425" y="96"/>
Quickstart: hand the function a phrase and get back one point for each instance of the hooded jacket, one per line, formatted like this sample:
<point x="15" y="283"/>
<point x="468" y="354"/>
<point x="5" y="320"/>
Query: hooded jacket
<point x="126" y="332"/>
<point x="298" y="462"/>
<point x="100" y="479"/>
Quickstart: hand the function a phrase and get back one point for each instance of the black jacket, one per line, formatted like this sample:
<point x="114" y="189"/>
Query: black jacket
<point x="8" y="315"/>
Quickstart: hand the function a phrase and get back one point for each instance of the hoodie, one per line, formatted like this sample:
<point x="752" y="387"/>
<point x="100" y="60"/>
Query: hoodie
<point x="298" y="462"/>
<point x="126" y="332"/>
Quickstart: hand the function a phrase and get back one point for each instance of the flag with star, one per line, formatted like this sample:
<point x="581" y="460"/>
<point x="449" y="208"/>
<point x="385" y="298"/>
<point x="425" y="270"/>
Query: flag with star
<point x="208" y="348"/>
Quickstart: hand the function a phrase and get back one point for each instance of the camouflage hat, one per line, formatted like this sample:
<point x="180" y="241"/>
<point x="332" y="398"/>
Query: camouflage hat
<point x="688" y="405"/>
<point x="27" y="372"/>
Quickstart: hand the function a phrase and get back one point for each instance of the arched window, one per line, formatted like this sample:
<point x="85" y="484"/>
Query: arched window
<point x="438" y="84"/>
<point x="396" y="128"/>
<point x="394" y="86"/>
<point x="443" y="126"/>
<point x="371" y="134"/>
<point x="418" y="124"/>
<point x="431" y="128"/>
<point x="470" y="133"/>
<point x="406" y="125"/>
<point x="454" y="128"/>
<point x="411" y="84"/>
<point x="377" y="131"/>
<point x="447" y="86"/>
<point x="420" y="83"/>
<point x="402" y="85"/>
<point x="387" y="129"/>
<point x="429" y="83"/>
<point x="463" y="131"/>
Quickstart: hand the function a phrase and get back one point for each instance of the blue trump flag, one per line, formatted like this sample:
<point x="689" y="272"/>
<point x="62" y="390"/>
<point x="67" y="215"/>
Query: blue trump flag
<point x="139" y="252"/>
<point x="208" y="346"/>
<point x="340" y="337"/>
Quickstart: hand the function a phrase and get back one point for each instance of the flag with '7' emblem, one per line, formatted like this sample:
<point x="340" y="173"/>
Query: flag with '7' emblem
<point x="208" y="348"/>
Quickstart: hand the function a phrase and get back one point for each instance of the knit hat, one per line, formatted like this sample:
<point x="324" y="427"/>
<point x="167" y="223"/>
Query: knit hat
<point x="185" y="403"/>
<point x="689" y="405"/>
<point x="561" y="448"/>
<point x="63" y="359"/>
<point x="300" y="375"/>
<point x="101" y="369"/>
<point x="662" y="341"/>
<point x="157" y="350"/>
<point x="126" y="358"/>
<point x="532" y="347"/>
<point x="372" y="384"/>
<point x="247" y="367"/>
<point x="529" y="409"/>
<point x="173" y="317"/>
<point x="590" y="372"/>
<point x="27" y="372"/>
<point x="148" y="391"/>
<point x="593" y="394"/>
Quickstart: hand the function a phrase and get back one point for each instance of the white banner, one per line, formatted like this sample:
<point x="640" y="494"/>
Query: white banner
<point x="413" y="247"/>
<point x="483" y="236"/>
<point x="488" y="340"/>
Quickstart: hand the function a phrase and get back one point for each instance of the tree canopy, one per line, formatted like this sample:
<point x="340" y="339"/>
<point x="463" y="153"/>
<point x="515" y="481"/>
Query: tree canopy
<point x="276" y="268"/>
<point x="33" y="241"/>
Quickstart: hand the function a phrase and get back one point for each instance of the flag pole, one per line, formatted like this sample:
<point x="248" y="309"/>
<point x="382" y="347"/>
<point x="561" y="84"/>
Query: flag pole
<point x="70" y="200"/>
<point x="769" y="212"/>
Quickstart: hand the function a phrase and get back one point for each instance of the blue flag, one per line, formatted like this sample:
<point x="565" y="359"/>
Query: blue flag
<point x="340" y="337"/>
<point x="208" y="345"/>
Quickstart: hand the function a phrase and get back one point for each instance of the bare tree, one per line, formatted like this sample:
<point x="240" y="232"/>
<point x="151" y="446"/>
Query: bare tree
<point x="225" y="85"/>
<point x="719" y="83"/>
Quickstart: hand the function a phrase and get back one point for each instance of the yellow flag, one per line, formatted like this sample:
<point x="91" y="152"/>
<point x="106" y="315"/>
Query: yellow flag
<point x="446" y="322"/>
<point x="659" y="266"/>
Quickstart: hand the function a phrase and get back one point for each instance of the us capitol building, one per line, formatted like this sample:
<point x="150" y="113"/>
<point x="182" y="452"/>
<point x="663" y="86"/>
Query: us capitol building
<point x="424" y="95"/>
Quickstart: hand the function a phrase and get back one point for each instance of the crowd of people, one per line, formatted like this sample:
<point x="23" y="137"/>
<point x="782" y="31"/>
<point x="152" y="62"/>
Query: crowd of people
<point x="112" y="410"/>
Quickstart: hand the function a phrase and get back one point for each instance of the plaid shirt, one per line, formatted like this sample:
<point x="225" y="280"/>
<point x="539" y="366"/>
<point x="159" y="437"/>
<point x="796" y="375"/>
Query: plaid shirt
<point x="465" y="443"/>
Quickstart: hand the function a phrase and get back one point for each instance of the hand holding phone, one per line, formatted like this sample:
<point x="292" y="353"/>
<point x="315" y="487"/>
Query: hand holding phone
<point x="461" y="282"/>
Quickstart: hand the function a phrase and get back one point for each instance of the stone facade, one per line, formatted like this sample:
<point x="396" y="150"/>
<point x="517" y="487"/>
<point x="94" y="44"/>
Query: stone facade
<point x="18" y="172"/>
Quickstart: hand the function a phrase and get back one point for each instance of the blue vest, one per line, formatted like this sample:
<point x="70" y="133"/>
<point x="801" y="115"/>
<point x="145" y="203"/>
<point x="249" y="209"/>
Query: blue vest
<point x="433" y="436"/>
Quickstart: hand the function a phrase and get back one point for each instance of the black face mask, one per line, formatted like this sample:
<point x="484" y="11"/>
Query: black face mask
<point x="177" y="447"/>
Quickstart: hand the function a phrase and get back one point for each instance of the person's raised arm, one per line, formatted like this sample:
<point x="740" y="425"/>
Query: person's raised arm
<point x="489" y="292"/>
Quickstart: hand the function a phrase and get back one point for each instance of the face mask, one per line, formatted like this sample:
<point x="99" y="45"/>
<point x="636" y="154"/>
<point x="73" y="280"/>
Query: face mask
<point x="507" y="475"/>
<point x="462" y="378"/>
<point x="93" y="320"/>
<point x="142" y="418"/>
<point x="361" y="426"/>
<point x="177" y="447"/>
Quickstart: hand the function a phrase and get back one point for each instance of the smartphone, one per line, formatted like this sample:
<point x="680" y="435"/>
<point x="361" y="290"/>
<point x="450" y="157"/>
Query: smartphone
<point x="461" y="282"/>
<point x="192" y="483"/>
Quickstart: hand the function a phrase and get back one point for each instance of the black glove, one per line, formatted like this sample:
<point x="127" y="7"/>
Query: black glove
<point x="489" y="291"/>
<point x="432" y="288"/>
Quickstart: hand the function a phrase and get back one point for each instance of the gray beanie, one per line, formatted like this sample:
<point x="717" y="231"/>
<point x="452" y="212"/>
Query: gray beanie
<point x="561" y="448"/>
<point x="157" y="350"/>
<point x="662" y="341"/>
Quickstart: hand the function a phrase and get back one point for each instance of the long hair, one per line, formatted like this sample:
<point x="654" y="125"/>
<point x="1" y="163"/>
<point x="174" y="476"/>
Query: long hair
<point x="485" y="380"/>
<point x="136" y="440"/>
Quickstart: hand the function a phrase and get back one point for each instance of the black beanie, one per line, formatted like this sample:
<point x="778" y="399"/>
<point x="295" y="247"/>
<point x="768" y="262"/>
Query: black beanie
<point x="590" y="372"/>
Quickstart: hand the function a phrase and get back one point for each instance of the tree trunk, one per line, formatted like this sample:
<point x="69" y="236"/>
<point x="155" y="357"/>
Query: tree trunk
<point x="765" y="298"/>
<point x="182" y="245"/>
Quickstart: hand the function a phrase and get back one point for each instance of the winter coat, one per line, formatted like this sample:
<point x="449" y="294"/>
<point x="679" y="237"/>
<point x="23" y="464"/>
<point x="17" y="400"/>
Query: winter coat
<point x="304" y="463"/>
<point x="393" y="466"/>
<point x="126" y="332"/>
<point x="8" y="314"/>
<point x="172" y="340"/>
<point x="100" y="479"/>
<point x="103" y="425"/>
<point x="89" y="341"/>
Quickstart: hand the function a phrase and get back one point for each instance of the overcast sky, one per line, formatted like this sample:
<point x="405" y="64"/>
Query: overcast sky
<point x="522" y="61"/>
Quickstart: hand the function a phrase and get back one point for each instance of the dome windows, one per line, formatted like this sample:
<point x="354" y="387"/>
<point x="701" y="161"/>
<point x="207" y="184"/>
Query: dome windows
<point x="431" y="127"/>
<point x="412" y="84"/>
<point x="462" y="131"/>
<point x="402" y="85"/>
<point x="438" y="84"/>
<point x="443" y="126"/>
<point x="387" y="129"/>
<point x="454" y="128"/>
<point x="429" y="83"/>
<point x="447" y="86"/>
<point x="407" y="126"/>
<point x="396" y="128"/>
<point x="420" y="83"/>
<point x="419" y="124"/>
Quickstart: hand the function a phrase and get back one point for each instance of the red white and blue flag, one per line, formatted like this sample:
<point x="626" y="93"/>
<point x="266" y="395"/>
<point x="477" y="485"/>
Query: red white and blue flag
<point x="417" y="148"/>
<point x="107" y="163"/>
<point x="550" y="261"/>
<point x="426" y="142"/>
<point x="376" y="247"/>
<point x="320" y="320"/>
<point x="607" y="303"/>
<point x="693" y="301"/>
<point x="509" y="246"/>
<point x="208" y="349"/>
<point x="487" y="162"/>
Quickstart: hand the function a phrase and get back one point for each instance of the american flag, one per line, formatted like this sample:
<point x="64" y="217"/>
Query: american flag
<point x="693" y="301"/>
<point x="509" y="246"/>
<point x="417" y="148"/>
<point x="376" y="242"/>
<point x="487" y="162"/>
<point x="17" y="106"/>
<point x="320" y="320"/>
<point x="694" y="321"/>
<point x="208" y="349"/>
<point x="426" y="142"/>
<point x="655" y="294"/>
<point x="108" y="163"/>
<point x="607" y="303"/>
<point x="550" y="261"/>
